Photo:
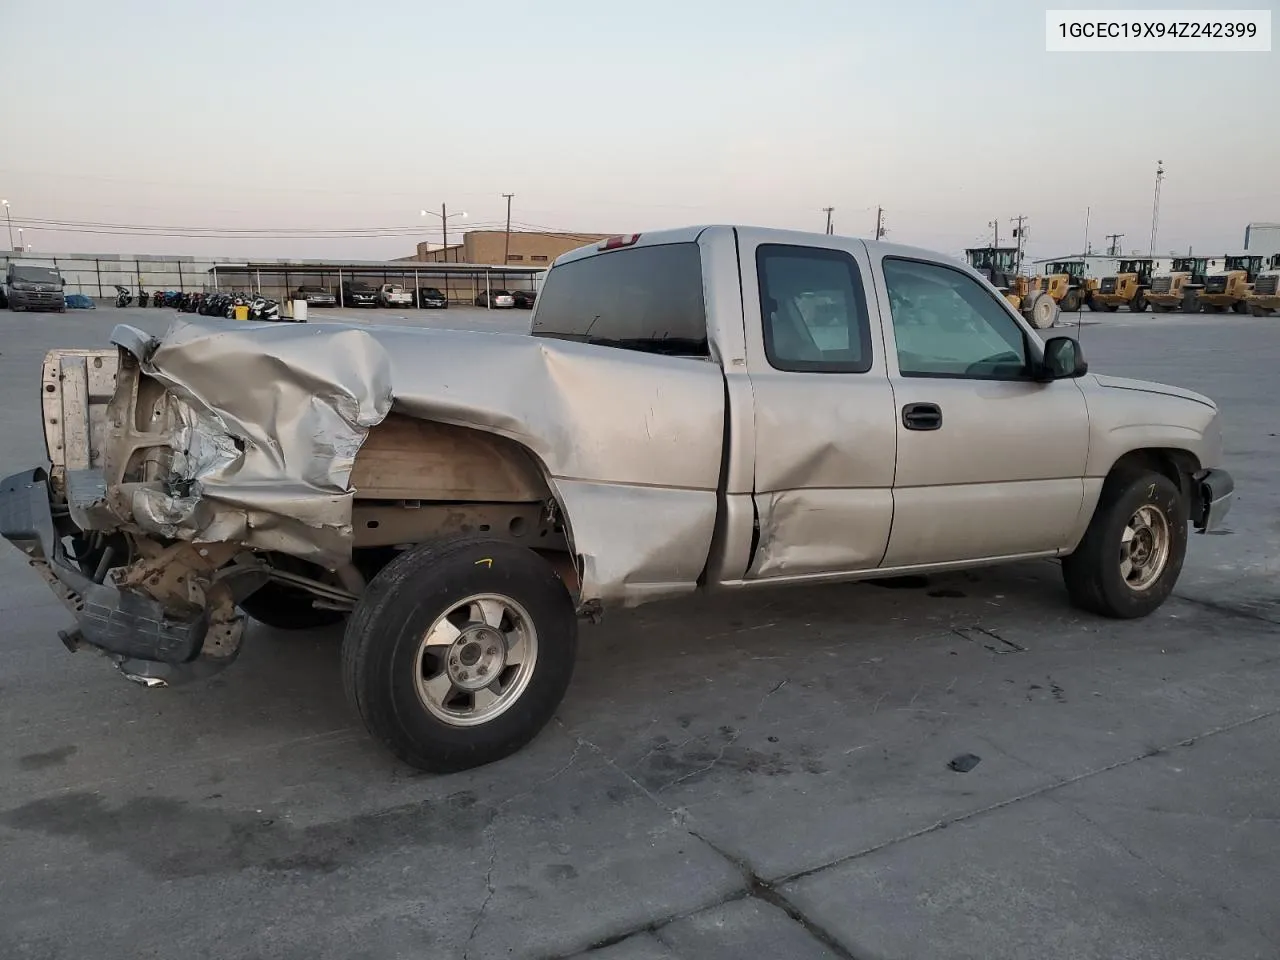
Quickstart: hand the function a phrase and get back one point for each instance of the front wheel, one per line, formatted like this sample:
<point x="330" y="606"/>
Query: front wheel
<point x="459" y="652"/>
<point x="1071" y="302"/>
<point x="1131" y="555"/>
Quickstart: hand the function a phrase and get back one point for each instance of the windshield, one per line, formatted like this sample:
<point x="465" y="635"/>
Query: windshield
<point x="1241" y="263"/>
<point x="1135" y="266"/>
<point x="1074" y="268"/>
<point x="29" y="274"/>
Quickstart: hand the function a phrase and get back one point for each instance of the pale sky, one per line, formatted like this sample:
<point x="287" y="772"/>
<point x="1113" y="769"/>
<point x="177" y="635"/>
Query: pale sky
<point x="617" y="116"/>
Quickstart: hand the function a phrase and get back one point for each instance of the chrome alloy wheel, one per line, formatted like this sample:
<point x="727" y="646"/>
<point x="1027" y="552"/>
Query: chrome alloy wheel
<point x="476" y="660"/>
<point x="1144" y="547"/>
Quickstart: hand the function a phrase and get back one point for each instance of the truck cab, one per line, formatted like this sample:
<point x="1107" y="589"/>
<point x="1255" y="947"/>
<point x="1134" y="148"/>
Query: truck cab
<point x="998" y="264"/>
<point x="1264" y="298"/>
<point x="1181" y="286"/>
<point x="1127" y="286"/>
<point x="1230" y="289"/>
<point x="34" y="286"/>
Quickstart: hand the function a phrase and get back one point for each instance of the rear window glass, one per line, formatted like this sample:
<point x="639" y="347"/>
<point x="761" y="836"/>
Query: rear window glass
<point x="642" y="298"/>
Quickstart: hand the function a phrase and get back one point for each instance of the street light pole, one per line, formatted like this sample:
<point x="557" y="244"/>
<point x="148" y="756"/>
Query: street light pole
<point x="10" y="222"/>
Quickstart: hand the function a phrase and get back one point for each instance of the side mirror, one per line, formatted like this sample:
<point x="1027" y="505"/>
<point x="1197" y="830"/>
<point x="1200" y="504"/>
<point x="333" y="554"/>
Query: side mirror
<point x="1063" y="359"/>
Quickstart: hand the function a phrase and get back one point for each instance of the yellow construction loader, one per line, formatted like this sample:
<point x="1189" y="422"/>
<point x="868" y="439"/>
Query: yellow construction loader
<point x="1180" y="287"/>
<point x="1265" y="298"/>
<point x="1026" y="294"/>
<point x="1065" y="281"/>
<point x="1230" y="289"/>
<point x="1128" y="287"/>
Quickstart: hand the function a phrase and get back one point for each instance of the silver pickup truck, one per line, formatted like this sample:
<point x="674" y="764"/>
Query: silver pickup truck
<point x="715" y="408"/>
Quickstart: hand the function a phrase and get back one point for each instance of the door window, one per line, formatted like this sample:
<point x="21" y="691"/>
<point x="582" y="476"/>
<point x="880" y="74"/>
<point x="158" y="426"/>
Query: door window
<point x="946" y="324"/>
<point x="814" y="310"/>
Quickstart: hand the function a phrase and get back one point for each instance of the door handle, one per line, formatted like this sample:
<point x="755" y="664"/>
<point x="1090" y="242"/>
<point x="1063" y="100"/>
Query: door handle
<point x="922" y="416"/>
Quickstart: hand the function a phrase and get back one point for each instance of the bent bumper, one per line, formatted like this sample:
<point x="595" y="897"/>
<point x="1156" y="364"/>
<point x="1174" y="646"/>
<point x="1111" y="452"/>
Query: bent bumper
<point x="1215" y="490"/>
<point x="146" y="641"/>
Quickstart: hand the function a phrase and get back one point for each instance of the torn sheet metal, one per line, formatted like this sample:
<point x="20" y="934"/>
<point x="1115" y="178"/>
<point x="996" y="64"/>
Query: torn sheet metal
<point x="266" y="421"/>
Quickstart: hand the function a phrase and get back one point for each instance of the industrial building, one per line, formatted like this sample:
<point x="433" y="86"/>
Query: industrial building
<point x="526" y="248"/>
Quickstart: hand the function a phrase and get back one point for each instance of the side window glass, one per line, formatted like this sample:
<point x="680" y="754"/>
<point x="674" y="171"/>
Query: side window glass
<point x="813" y="309"/>
<point x="947" y="325"/>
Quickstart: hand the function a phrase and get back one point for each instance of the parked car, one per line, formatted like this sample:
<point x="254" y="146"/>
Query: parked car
<point x="356" y="293"/>
<point x="523" y="299"/>
<point x="316" y="296"/>
<point x="29" y="286"/>
<point x="498" y="299"/>
<point x="431" y="297"/>
<point x="673" y="424"/>
<point x="394" y="295"/>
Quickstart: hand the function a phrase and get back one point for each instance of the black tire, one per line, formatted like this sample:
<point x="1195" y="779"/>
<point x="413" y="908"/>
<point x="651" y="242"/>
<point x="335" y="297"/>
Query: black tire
<point x="1071" y="301"/>
<point x="1261" y="311"/>
<point x="287" y="608"/>
<point x="1138" y="304"/>
<point x="1093" y="572"/>
<point x="1212" y="308"/>
<point x="1240" y="307"/>
<point x="381" y="649"/>
<point x="1112" y="307"/>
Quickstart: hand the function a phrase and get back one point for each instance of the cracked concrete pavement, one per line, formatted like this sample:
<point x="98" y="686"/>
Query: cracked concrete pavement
<point x="762" y="775"/>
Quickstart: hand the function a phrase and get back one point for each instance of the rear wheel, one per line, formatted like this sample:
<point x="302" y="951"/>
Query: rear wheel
<point x="459" y="652"/>
<point x="1240" y="307"/>
<point x="1261" y="311"/>
<point x="1131" y="555"/>
<point x="1071" y="302"/>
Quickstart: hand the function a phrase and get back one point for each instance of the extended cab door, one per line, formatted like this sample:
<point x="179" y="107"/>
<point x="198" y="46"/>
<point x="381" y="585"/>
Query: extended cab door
<point x="824" y="427"/>
<point x="990" y="463"/>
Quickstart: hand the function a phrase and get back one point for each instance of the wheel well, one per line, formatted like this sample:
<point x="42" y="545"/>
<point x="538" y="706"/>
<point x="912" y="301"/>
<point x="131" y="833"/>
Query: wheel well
<point x="1177" y="465"/>
<point x="418" y="480"/>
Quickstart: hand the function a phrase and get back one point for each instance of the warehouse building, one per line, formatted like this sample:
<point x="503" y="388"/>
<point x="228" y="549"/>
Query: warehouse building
<point x="526" y="248"/>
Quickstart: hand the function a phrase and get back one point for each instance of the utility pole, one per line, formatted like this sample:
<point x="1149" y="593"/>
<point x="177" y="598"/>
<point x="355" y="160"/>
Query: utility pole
<point x="506" y="253"/>
<point x="444" y="229"/>
<point x="828" y="211"/>
<point x="880" y="223"/>
<point x="1155" y="208"/>
<point x="1018" y="234"/>
<point x="1114" y="249"/>
<point x="995" y="226"/>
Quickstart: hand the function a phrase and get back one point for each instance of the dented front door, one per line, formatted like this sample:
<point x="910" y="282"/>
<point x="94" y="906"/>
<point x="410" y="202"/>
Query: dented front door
<point x="824" y="426"/>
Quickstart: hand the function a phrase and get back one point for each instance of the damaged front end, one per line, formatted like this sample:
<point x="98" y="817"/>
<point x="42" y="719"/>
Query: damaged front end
<point x="104" y="524"/>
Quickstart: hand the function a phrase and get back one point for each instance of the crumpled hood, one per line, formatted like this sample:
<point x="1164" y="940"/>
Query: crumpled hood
<point x="1148" y="386"/>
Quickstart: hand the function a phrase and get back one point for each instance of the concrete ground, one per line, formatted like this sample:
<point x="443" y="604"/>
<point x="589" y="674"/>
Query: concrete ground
<point x="757" y="776"/>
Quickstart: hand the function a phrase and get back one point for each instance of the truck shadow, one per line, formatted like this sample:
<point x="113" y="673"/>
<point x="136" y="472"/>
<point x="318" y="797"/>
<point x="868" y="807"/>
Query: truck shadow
<point x="294" y="676"/>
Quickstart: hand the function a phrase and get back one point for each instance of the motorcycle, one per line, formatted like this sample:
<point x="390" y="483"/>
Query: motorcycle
<point x="260" y="308"/>
<point x="142" y="296"/>
<point x="157" y="298"/>
<point x="124" y="296"/>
